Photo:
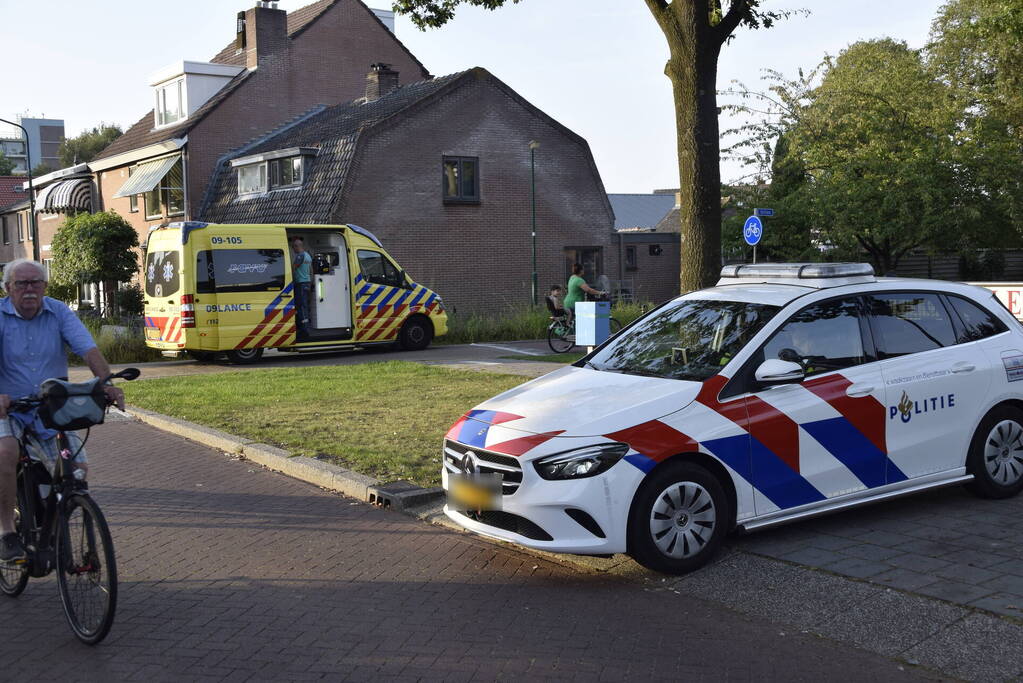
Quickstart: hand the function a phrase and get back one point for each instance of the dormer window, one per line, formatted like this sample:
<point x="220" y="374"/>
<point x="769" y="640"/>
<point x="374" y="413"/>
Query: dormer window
<point x="280" y="170"/>
<point x="170" y="103"/>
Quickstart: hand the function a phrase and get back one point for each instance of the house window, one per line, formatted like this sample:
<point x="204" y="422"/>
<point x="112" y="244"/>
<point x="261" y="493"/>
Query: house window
<point x="630" y="258"/>
<point x="7" y="236"/>
<point x="133" y="200"/>
<point x="21" y="229"/>
<point x="172" y="190"/>
<point x="286" y="172"/>
<point x="169" y="103"/>
<point x="251" y="179"/>
<point x="460" y="180"/>
<point x="153" y="203"/>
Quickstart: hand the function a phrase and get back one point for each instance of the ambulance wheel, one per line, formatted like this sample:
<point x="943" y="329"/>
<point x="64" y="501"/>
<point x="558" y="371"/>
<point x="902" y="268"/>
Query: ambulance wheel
<point x="244" y="356"/>
<point x="416" y="334"/>
<point x="995" y="458"/>
<point x="678" y="519"/>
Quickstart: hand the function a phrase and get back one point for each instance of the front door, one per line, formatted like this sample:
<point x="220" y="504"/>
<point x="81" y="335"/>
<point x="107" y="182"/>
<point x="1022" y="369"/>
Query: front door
<point x="823" y="437"/>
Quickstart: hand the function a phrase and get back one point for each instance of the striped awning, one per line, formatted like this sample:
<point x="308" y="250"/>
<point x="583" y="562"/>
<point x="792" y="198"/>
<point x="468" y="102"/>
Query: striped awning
<point x="146" y="176"/>
<point x="66" y="196"/>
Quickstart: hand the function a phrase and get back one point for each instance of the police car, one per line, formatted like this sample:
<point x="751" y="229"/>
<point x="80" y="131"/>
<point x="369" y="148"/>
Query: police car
<point x="784" y="392"/>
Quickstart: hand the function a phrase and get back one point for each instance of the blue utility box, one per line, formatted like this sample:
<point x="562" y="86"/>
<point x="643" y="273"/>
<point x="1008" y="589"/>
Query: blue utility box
<point x="592" y="322"/>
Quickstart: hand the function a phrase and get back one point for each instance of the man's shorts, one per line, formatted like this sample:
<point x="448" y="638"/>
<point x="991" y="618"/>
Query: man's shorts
<point x="45" y="451"/>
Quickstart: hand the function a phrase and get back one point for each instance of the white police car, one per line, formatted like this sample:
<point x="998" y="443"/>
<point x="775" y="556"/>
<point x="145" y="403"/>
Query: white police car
<point x="785" y="392"/>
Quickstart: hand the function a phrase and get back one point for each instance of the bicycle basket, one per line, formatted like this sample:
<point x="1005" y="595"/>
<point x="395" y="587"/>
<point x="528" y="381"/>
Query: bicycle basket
<point x="68" y="406"/>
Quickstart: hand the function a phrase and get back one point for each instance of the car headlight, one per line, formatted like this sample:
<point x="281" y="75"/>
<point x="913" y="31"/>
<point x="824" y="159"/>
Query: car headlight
<point x="581" y="462"/>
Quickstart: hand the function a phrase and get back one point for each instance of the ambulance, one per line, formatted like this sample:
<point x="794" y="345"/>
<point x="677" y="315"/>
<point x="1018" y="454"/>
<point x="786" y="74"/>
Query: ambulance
<point x="785" y="392"/>
<point x="229" y="288"/>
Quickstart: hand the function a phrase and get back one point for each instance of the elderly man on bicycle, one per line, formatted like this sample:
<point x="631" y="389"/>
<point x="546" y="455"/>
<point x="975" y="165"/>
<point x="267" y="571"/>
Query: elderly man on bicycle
<point x="34" y="330"/>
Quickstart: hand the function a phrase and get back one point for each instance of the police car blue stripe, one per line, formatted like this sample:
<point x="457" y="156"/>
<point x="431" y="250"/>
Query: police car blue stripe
<point x="641" y="461"/>
<point x="851" y="448"/>
<point x="473" y="433"/>
<point x="768" y="473"/>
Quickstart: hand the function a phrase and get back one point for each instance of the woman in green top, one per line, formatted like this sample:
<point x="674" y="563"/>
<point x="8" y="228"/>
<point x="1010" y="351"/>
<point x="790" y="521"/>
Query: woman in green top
<point x="577" y="289"/>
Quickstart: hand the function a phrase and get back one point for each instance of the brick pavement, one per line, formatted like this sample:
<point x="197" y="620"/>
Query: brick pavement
<point x="231" y="572"/>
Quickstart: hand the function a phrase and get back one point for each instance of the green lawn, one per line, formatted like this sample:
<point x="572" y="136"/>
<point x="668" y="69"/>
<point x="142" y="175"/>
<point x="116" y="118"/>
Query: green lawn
<point x="566" y="358"/>
<point x="381" y="419"/>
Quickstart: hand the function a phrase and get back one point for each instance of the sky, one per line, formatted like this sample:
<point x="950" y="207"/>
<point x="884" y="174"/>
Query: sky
<point x="596" y="66"/>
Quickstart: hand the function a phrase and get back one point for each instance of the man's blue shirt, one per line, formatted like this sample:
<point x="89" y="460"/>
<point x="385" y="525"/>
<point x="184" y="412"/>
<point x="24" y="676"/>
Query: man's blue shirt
<point x="32" y="351"/>
<point x="301" y="264"/>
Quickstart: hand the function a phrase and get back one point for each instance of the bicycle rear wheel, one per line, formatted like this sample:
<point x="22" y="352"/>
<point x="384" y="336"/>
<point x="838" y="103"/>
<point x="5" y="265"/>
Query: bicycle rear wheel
<point x="86" y="571"/>
<point x="14" y="577"/>
<point x="560" y="337"/>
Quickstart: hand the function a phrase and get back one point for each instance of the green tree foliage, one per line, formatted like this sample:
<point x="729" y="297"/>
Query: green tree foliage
<point x="94" y="247"/>
<point x="42" y="168"/>
<point x="975" y="48"/>
<point x="695" y="31"/>
<point x="86" y="146"/>
<point x="874" y="135"/>
<point x="6" y="164"/>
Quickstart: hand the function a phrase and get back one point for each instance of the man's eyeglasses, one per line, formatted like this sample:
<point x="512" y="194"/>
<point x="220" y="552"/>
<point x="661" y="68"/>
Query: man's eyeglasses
<point x="25" y="284"/>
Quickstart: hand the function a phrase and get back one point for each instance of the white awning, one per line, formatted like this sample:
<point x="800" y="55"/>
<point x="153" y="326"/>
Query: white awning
<point x="66" y="196"/>
<point x="147" y="176"/>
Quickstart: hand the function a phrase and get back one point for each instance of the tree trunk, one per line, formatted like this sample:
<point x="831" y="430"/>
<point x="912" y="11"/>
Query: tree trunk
<point x="694" y="46"/>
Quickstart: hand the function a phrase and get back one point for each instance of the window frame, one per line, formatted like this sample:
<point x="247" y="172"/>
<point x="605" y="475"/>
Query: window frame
<point x="261" y="168"/>
<point x="400" y="274"/>
<point x="4" y="223"/>
<point x="274" y="169"/>
<point x="21" y="227"/>
<point x="959" y="324"/>
<point x="460" y="197"/>
<point x="178" y="85"/>
<point x="631" y="257"/>
<point x="133" y="200"/>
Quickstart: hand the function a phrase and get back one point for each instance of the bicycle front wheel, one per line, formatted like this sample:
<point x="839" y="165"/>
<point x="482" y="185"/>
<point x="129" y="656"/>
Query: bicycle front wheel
<point x="560" y="338"/>
<point x="86" y="571"/>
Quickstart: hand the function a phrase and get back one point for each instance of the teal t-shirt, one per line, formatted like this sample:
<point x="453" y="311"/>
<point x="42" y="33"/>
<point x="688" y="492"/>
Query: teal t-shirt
<point x="302" y="262"/>
<point x="575" y="292"/>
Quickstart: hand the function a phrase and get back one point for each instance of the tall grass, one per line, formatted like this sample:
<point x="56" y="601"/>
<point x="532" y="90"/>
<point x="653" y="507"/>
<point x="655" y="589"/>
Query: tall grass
<point x="129" y="347"/>
<point x="517" y="322"/>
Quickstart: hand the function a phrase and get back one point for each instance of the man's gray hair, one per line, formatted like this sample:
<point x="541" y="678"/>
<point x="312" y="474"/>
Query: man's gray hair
<point x="17" y="263"/>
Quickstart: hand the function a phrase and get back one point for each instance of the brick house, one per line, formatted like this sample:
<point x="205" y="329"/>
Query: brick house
<point x="279" y="66"/>
<point x="440" y="170"/>
<point x="647" y="235"/>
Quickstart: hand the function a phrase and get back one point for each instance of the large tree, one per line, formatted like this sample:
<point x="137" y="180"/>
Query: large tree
<point x="85" y="146"/>
<point x="6" y="164"/>
<point x="695" y="31"/>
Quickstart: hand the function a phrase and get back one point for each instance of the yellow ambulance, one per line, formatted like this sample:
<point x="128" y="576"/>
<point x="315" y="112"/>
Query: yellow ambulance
<point x="228" y="288"/>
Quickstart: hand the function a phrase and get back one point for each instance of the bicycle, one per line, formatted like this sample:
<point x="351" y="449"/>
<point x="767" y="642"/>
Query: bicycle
<point x="561" y="331"/>
<point x="60" y="525"/>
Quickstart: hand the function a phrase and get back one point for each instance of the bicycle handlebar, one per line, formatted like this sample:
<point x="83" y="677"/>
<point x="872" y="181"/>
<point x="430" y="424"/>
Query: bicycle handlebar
<point x="26" y="403"/>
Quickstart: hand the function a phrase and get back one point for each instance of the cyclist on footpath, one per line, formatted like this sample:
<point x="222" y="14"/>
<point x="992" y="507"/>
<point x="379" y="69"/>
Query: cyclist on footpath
<point x="577" y="290"/>
<point x="34" y="330"/>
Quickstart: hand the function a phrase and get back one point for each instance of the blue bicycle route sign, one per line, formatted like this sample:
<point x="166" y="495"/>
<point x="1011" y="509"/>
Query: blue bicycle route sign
<point x="752" y="231"/>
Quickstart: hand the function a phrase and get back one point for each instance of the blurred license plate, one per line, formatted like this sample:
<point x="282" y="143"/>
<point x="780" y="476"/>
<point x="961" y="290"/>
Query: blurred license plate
<point x="474" y="492"/>
<point x="153" y="333"/>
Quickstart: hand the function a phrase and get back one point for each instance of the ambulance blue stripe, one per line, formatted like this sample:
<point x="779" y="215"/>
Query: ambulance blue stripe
<point x="430" y="300"/>
<point x="419" y="295"/>
<point x="273" y="304"/>
<point x="287" y="309"/>
<point x="362" y="292"/>
<point x="641" y="461"/>
<point x="358" y="278"/>
<point x="840" y="438"/>
<point x="374" y="295"/>
<point x="394" y="291"/>
<point x="768" y="473"/>
<point x="404" y="296"/>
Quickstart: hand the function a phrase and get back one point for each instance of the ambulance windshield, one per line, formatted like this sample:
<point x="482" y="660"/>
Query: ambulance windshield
<point x="692" y="340"/>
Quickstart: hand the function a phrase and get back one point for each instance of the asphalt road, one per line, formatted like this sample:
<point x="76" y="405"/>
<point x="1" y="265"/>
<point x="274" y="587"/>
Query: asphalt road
<point x="232" y="572"/>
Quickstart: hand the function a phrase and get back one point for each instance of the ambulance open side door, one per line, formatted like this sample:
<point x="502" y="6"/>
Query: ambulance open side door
<point x="332" y="298"/>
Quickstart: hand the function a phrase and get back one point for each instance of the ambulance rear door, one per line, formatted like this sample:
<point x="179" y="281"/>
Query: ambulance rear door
<point x="243" y="291"/>
<point x="164" y="287"/>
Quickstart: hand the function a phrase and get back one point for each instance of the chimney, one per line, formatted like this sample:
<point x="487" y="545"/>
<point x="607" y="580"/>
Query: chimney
<point x="380" y="80"/>
<point x="265" y="33"/>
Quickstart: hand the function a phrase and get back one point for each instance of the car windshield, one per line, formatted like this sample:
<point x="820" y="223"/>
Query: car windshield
<point x="691" y="340"/>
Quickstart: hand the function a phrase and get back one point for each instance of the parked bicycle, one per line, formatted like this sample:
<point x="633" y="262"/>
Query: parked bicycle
<point x="60" y="525"/>
<point x="561" y="331"/>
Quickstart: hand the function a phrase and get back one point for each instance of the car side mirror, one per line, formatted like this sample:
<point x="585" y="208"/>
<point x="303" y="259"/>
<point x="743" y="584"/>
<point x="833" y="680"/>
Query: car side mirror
<point x="778" y="371"/>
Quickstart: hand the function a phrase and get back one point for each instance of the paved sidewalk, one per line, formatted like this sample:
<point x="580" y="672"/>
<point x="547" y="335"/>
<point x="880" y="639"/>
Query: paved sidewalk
<point x="232" y="572"/>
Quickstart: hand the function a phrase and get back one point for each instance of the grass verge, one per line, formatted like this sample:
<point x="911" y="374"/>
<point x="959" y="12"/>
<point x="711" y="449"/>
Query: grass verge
<point x="381" y="419"/>
<point x="550" y="357"/>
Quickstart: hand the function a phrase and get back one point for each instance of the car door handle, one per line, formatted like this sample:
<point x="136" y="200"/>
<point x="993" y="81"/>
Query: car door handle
<point x="964" y="366"/>
<point x="859" y="390"/>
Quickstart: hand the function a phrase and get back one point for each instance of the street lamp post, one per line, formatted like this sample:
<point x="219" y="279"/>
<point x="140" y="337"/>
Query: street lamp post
<point x="533" y="144"/>
<point x="31" y="192"/>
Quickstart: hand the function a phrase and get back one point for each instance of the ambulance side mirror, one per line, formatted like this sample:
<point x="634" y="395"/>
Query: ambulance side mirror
<point x="778" y="371"/>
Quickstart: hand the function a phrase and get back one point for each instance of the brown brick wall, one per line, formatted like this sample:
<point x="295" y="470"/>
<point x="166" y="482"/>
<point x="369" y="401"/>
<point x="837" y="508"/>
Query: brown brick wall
<point x="327" y="63"/>
<point x="478" y="257"/>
